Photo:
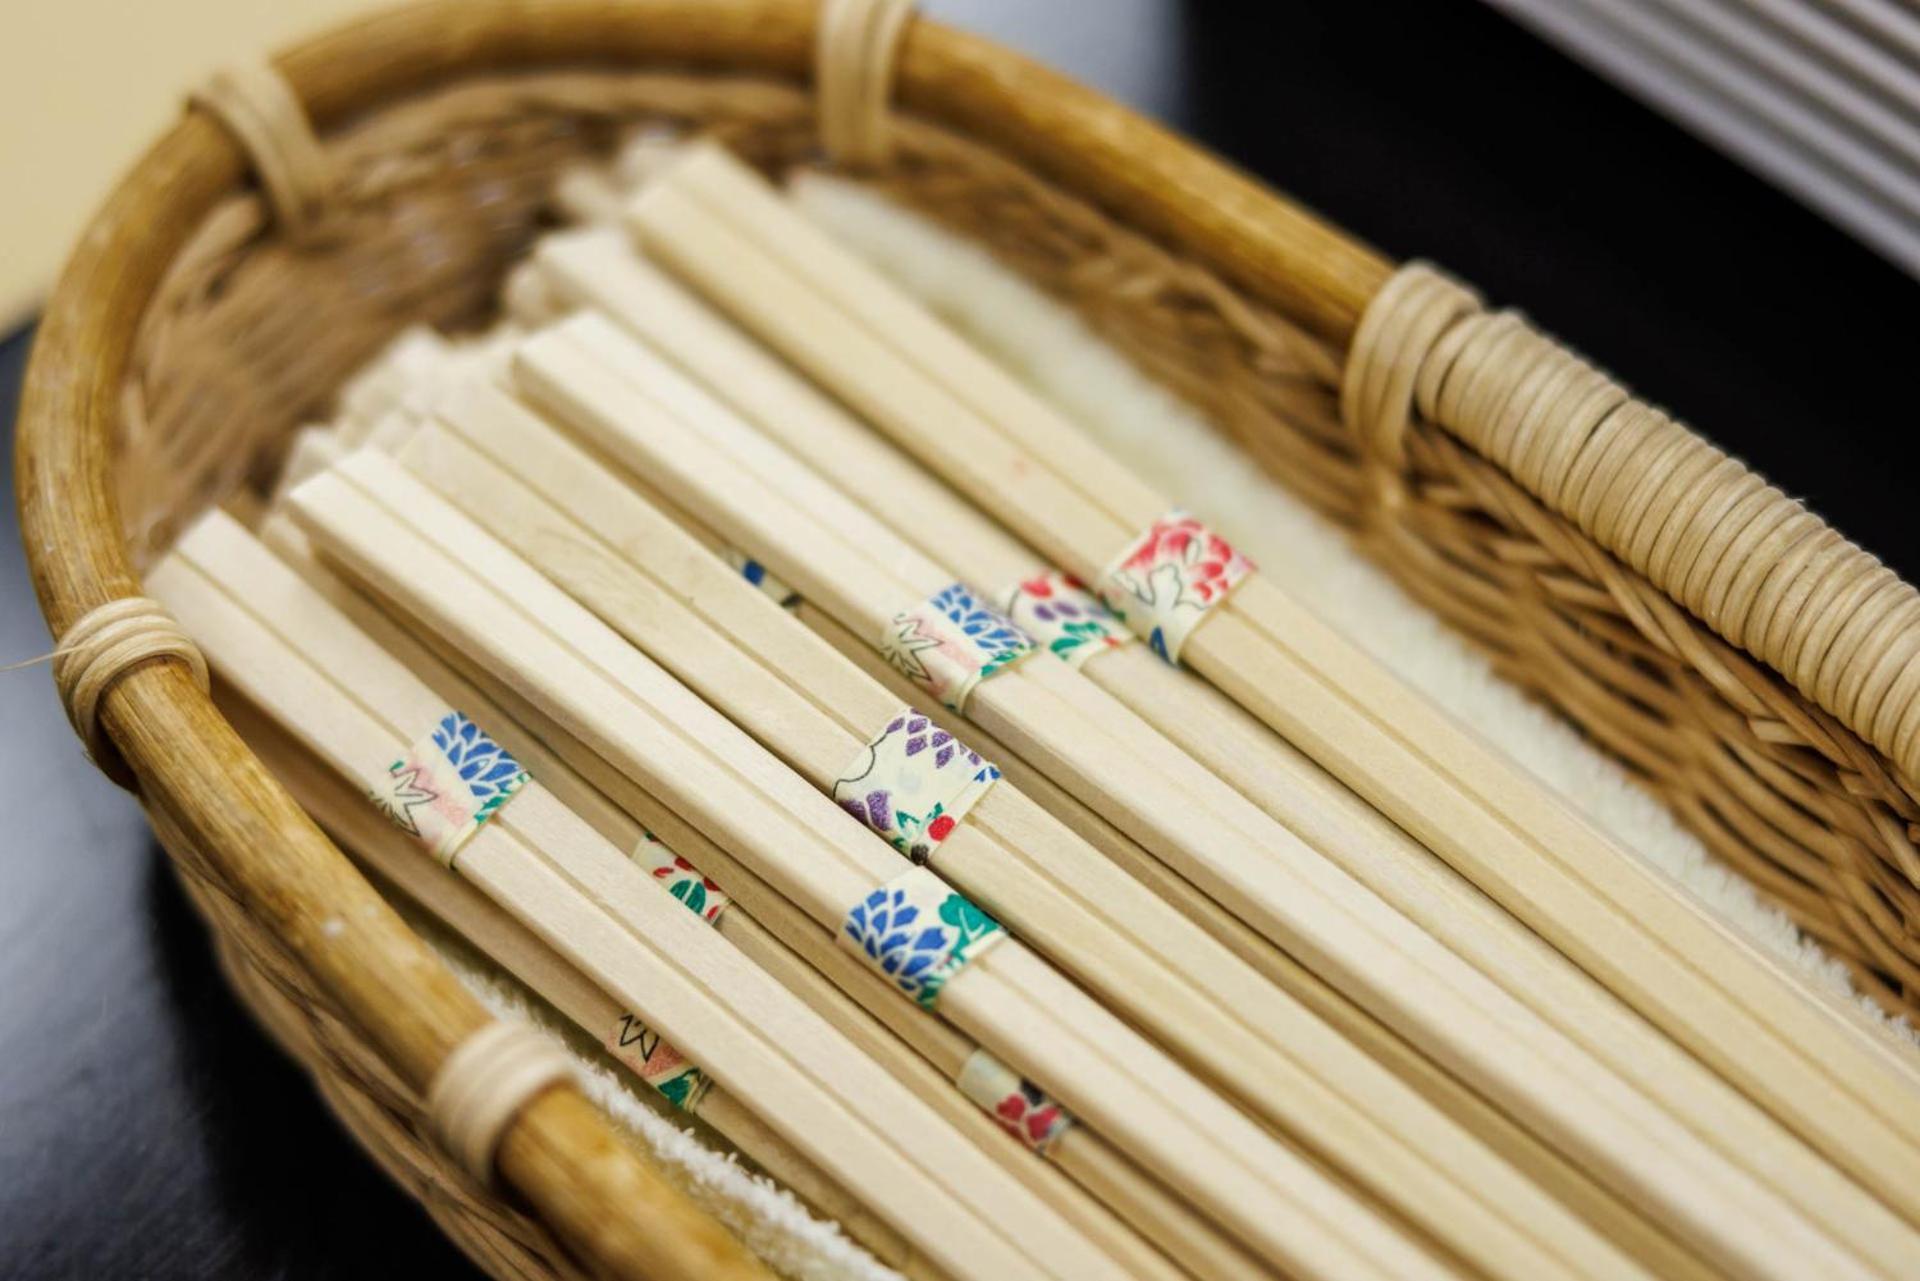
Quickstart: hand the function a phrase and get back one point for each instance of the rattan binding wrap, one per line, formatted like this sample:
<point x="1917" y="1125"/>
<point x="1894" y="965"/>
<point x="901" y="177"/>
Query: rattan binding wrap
<point x="174" y="363"/>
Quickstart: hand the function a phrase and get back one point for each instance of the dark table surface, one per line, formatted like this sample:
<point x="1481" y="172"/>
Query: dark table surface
<point x="148" y="1130"/>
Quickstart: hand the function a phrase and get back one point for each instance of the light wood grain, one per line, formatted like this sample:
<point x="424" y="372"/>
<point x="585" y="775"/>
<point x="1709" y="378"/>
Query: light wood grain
<point x="1204" y="1252"/>
<point x="1611" y="912"/>
<point x="622" y="706"/>
<point x="657" y="585"/>
<point x="754" y="280"/>
<point x="600" y="269"/>
<point x="617" y="807"/>
<point x="1563" y="1178"/>
<point x="1060" y="724"/>
<point x="296" y="658"/>
<point x="387" y="853"/>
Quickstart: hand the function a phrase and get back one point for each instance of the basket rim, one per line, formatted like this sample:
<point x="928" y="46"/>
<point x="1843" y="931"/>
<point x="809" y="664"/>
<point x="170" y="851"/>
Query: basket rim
<point x="189" y="759"/>
<point x="560" y="1156"/>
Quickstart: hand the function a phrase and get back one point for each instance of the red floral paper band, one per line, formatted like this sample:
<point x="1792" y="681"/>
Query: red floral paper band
<point x="631" y="1041"/>
<point x="681" y="879"/>
<point x="1021" y="1107"/>
<point x="1163" y="585"/>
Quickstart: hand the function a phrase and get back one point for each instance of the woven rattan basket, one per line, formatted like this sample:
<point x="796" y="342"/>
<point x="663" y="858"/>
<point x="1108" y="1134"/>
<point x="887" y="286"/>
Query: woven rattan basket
<point x="1649" y="598"/>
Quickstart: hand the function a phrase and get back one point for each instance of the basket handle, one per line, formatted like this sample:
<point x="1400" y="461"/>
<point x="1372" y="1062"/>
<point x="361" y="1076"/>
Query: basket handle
<point x="856" y="48"/>
<point x="101" y="647"/>
<point x="1744" y="558"/>
<point x="255" y="104"/>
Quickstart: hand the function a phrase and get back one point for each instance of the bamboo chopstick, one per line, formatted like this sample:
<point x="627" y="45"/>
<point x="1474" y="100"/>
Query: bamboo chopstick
<point x="750" y="491"/>
<point x="1084" y="1157"/>
<point x="599" y="268"/>
<point x="599" y="690"/>
<point x="650" y="580"/>
<point x="1793" y="1050"/>
<point x="298" y="660"/>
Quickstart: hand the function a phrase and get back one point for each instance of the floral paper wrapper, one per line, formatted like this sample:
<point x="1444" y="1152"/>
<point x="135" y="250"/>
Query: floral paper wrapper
<point x="681" y="879"/>
<point x="657" y="1063"/>
<point x="950" y="642"/>
<point x="447" y="785"/>
<point x="772" y="586"/>
<point x="651" y="1057"/>
<point x="913" y="783"/>
<point x="1021" y="1107"/>
<point x="1164" y="584"/>
<point x="1063" y="617"/>
<point x="918" y="933"/>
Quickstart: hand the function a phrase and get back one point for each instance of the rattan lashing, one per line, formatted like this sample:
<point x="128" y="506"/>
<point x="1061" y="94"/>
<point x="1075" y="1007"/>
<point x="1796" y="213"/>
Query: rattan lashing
<point x="438" y="178"/>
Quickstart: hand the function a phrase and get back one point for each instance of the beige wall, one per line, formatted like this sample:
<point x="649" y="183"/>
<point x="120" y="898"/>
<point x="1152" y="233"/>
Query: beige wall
<point x="84" y="84"/>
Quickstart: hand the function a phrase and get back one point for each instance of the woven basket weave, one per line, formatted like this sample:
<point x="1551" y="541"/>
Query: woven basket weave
<point x="191" y="335"/>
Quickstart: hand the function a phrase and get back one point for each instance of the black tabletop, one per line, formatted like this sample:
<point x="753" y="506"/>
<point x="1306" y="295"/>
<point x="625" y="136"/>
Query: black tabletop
<point x="148" y="1130"/>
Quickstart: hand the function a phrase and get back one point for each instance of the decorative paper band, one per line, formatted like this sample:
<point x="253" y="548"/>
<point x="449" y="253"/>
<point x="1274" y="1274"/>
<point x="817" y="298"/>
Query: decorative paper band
<point x="450" y="782"/>
<point x="681" y="878"/>
<point x="950" y="642"/>
<point x="1173" y="574"/>
<point x="913" y="783"/>
<point x="1021" y="1107"/>
<point x="633" y="1042"/>
<point x="657" y="1063"/>
<point x="757" y="574"/>
<point x="918" y="933"/>
<point x="1063" y="617"/>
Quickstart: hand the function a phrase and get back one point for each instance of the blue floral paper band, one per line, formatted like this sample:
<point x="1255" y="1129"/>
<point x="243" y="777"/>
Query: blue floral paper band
<point x="918" y="933"/>
<point x="950" y="642"/>
<point x="447" y="785"/>
<point x="770" y="585"/>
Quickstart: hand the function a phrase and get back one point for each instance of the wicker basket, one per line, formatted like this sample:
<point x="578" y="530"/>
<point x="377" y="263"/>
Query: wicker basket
<point x="174" y="361"/>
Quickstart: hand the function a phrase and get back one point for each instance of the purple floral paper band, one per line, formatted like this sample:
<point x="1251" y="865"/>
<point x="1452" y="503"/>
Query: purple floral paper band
<point x="913" y="783"/>
<point x="1163" y="585"/>
<point x="950" y="642"/>
<point x="1022" y="1108"/>
<point x="917" y="933"/>
<point x="1063" y="617"/>
<point x="447" y="785"/>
